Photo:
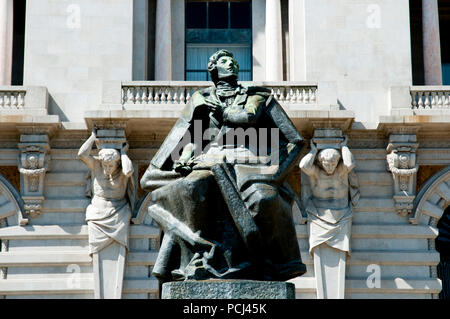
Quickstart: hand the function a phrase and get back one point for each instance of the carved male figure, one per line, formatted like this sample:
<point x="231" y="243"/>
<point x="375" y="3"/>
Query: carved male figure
<point x="222" y="218"/>
<point x="334" y="190"/>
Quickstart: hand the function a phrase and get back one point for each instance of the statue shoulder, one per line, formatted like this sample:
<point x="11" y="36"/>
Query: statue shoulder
<point x="199" y="96"/>
<point x="257" y="90"/>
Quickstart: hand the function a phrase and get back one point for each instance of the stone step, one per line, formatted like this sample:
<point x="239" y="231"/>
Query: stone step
<point x="68" y="285"/>
<point x="67" y="232"/>
<point x="65" y="192"/>
<point x="387" y="286"/>
<point x="65" y="179"/>
<point x="384" y="258"/>
<point x="375" y="178"/>
<point x="369" y="205"/>
<point x="64" y="258"/>
<point x="72" y="205"/>
<point x="382" y="231"/>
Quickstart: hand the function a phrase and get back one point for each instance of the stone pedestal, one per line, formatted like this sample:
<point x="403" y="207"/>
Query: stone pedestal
<point x="228" y="289"/>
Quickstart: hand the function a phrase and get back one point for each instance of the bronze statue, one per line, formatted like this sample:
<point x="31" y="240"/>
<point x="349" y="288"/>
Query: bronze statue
<point x="219" y="195"/>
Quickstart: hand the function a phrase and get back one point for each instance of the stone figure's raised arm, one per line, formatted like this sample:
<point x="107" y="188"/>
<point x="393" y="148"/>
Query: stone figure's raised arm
<point x="347" y="156"/>
<point x="127" y="166"/>
<point x="307" y="162"/>
<point x="85" y="150"/>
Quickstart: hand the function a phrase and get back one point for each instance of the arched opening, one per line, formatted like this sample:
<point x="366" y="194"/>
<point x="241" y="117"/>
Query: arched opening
<point x="11" y="205"/>
<point x="443" y="247"/>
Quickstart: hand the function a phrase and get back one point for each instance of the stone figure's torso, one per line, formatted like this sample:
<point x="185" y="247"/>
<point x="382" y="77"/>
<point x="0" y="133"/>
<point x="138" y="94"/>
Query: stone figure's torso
<point x="330" y="191"/>
<point x="108" y="188"/>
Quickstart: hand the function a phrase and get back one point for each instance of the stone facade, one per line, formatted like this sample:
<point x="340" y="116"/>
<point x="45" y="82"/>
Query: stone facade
<point x="348" y="71"/>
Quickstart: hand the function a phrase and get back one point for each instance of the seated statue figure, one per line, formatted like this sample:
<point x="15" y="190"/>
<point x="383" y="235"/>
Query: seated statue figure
<point x="220" y="197"/>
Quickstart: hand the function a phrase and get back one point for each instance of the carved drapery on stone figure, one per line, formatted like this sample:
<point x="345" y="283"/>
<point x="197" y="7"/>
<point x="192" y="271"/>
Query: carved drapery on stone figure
<point x="33" y="164"/>
<point x="328" y="197"/>
<point x="223" y="204"/>
<point x="401" y="162"/>
<point x="111" y="186"/>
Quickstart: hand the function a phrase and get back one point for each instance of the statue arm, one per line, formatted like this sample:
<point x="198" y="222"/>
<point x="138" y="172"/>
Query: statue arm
<point x="127" y="165"/>
<point x="307" y="162"/>
<point x="249" y="114"/>
<point x="85" y="150"/>
<point x="347" y="156"/>
<point x="154" y="178"/>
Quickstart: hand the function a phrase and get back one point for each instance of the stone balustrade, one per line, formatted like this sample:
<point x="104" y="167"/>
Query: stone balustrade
<point x="26" y="100"/>
<point x="12" y="97"/>
<point x="179" y="92"/>
<point x="430" y="97"/>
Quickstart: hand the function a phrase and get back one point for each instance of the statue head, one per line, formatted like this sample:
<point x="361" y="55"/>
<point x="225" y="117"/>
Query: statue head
<point x="222" y="65"/>
<point x="110" y="160"/>
<point x="329" y="159"/>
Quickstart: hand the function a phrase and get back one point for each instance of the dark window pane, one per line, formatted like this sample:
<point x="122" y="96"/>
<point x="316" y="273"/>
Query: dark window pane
<point x="240" y="15"/>
<point x="196" y="15"/>
<point x="218" y="15"/>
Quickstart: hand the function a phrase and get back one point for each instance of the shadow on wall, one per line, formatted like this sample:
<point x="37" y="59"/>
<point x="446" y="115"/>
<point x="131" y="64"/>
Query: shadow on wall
<point x="54" y="109"/>
<point x="341" y="106"/>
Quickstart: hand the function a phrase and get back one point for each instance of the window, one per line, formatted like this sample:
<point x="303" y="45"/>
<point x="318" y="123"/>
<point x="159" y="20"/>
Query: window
<point x="214" y="25"/>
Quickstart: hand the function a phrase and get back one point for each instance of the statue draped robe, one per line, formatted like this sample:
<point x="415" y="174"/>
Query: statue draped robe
<point x="197" y="205"/>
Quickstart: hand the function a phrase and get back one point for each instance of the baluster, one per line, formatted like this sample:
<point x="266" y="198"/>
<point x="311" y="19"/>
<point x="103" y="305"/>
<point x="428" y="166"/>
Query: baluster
<point x="413" y="99"/>
<point x="446" y="99"/>
<point x="307" y="96"/>
<point x="20" y="100"/>
<point x="420" y="104"/>
<point x="7" y="100"/>
<point x="290" y="94"/>
<point x="182" y="95"/>
<point x="144" y="95"/>
<point x="188" y="94"/>
<point x="175" y="95"/>
<point x="157" y="94"/>
<point x="164" y="94"/>
<point x="313" y="95"/>
<point x="440" y="100"/>
<point x="169" y="91"/>
<point x="150" y="95"/>
<point x="14" y="100"/>
<point x="433" y="100"/>
<point x="427" y="100"/>
<point x="124" y="90"/>
<point x="2" y="99"/>
<point x="137" y="92"/>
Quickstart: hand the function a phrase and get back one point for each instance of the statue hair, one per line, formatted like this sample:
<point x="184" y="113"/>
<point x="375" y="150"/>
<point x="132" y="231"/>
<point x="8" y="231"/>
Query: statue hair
<point x="212" y="63"/>
<point x="109" y="155"/>
<point x="329" y="154"/>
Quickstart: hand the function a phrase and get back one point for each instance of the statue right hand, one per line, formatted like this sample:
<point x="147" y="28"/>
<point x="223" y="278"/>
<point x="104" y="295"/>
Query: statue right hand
<point x="214" y="108"/>
<point x="94" y="131"/>
<point x="183" y="168"/>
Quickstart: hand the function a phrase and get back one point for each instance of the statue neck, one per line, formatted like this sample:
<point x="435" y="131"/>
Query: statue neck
<point x="224" y="87"/>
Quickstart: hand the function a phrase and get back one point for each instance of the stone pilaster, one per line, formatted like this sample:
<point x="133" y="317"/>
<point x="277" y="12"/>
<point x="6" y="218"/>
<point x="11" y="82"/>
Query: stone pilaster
<point x="6" y="41"/>
<point x="431" y="43"/>
<point x="163" y="41"/>
<point x="402" y="163"/>
<point x="33" y="164"/>
<point x="274" y="46"/>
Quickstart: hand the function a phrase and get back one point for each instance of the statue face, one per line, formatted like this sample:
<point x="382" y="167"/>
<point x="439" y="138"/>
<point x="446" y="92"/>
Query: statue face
<point x="329" y="159"/>
<point x="226" y="67"/>
<point x="109" y="167"/>
<point x="329" y="165"/>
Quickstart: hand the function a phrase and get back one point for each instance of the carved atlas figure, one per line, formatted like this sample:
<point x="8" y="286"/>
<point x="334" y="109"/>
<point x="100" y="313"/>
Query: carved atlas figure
<point x="221" y="199"/>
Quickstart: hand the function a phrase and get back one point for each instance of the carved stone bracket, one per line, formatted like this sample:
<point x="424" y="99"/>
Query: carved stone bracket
<point x="33" y="164"/>
<point x="402" y="163"/>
